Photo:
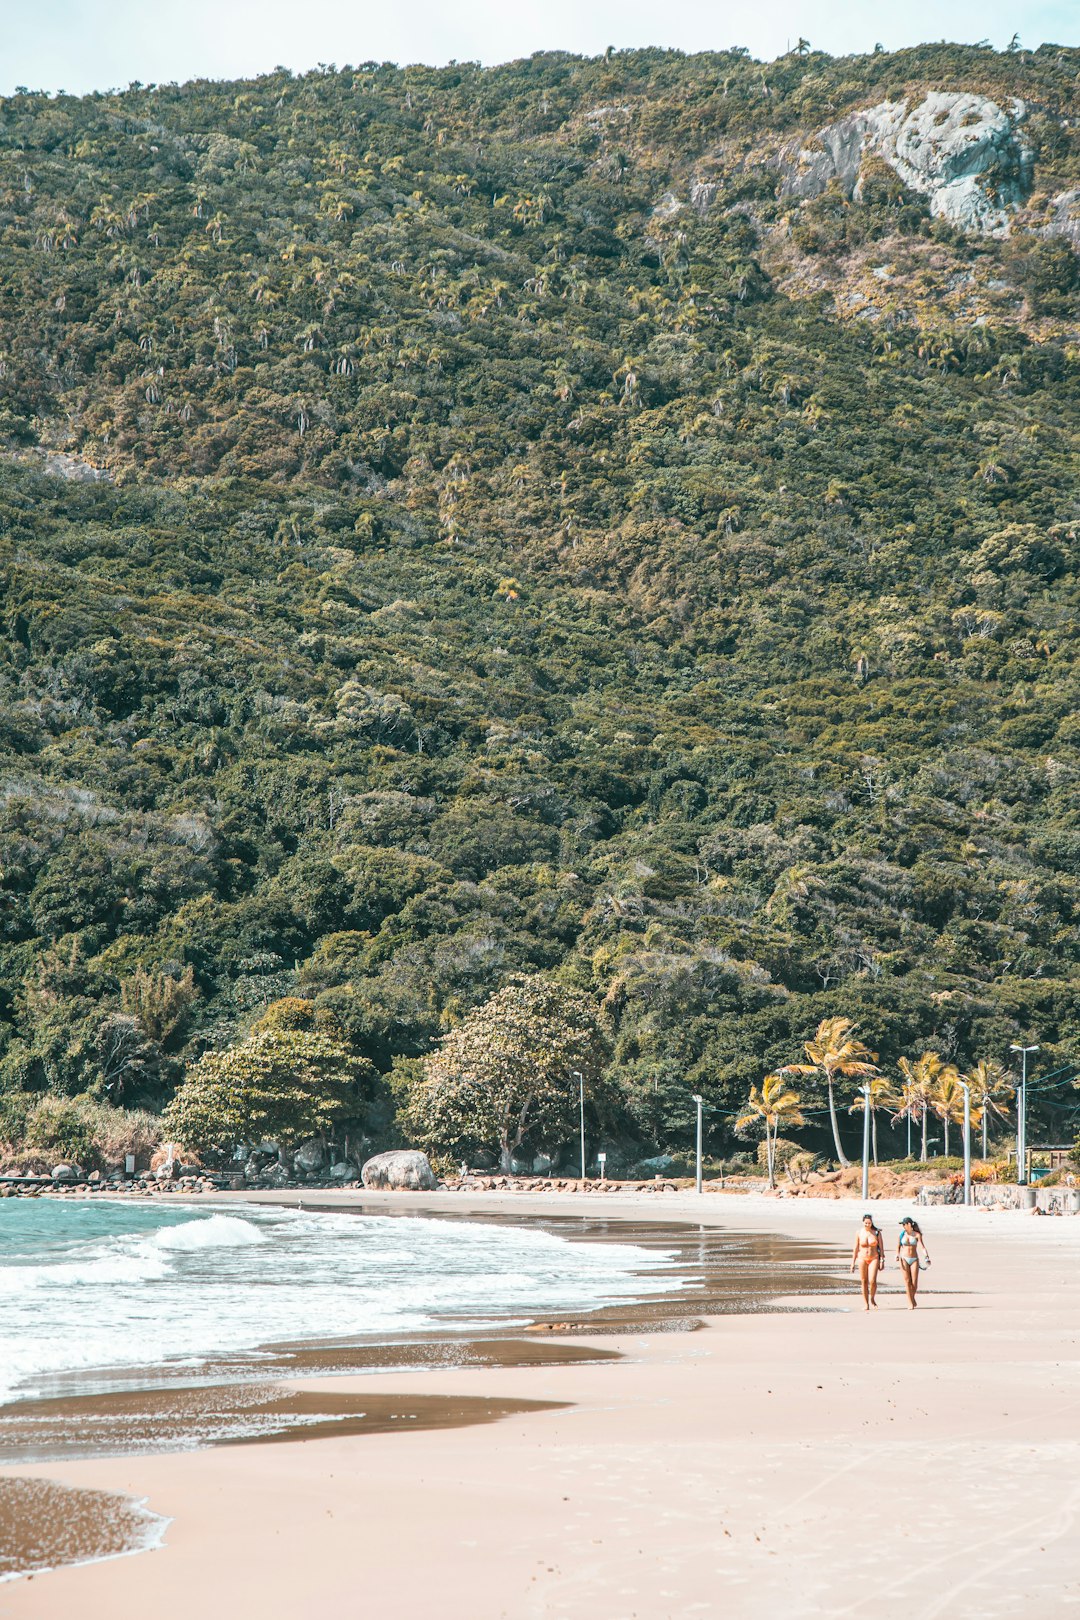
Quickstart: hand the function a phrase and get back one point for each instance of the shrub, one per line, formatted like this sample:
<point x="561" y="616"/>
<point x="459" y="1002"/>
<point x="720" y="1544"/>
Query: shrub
<point x="786" y="1150"/>
<point x="93" y="1134"/>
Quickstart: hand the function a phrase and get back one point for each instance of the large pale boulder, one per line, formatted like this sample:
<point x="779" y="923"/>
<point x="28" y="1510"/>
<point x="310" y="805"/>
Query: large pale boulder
<point x="403" y="1171"/>
<point x="66" y="1173"/>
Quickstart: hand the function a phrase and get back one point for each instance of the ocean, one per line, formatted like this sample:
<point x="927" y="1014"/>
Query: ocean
<point x="103" y="1285"/>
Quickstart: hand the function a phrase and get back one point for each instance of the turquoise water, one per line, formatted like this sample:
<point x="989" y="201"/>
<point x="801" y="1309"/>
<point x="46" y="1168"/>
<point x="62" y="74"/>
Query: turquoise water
<point x="106" y="1284"/>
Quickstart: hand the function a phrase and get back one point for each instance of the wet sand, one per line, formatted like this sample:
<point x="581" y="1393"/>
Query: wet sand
<point x="43" y="1524"/>
<point x="806" y="1462"/>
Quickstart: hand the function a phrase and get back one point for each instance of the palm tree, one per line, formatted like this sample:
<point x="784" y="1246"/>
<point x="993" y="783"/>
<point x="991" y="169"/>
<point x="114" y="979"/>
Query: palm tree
<point x="991" y="1089"/>
<point x="920" y="1077"/>
<point x="834" y="1053"/>
<point x="771" y="1105"/>
<point x="881" y="1096"/>
<point x="947" y="1098"/>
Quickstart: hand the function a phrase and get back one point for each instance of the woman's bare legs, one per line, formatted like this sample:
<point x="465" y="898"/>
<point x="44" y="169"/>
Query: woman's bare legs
<point x="870" y="1280"/>
<point x="864" y="1282"/>
<point x="911" y="1281"/>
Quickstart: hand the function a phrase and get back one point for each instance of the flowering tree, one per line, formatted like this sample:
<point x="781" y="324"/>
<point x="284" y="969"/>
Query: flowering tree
<point x="509" y="1071"/>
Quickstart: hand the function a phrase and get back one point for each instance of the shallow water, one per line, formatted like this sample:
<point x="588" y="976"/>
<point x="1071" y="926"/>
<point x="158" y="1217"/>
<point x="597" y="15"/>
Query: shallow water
<point x="104" y="1284"/>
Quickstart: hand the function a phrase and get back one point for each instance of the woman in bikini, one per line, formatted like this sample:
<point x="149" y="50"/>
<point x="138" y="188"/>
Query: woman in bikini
<point x="907" y="1252"/>
<point x="869" y="1255"/>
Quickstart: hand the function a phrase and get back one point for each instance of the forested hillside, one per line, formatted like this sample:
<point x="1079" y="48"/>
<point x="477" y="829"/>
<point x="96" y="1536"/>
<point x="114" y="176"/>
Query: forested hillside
<point x="462" y="522"/>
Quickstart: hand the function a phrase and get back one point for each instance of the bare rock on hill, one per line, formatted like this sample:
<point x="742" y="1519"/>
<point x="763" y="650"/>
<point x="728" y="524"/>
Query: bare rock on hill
<point x="963" y="152"/>
<point x="66" y="1172"/>
<point x="404" y="1171"/>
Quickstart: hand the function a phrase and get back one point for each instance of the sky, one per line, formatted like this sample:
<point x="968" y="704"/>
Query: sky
<point x="83" y="45"/>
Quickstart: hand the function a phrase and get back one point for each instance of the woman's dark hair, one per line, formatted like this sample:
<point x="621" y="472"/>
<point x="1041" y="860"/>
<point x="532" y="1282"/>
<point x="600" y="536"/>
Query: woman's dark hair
<point x="873" y="1223"/>
<point x="909" y="1220"/>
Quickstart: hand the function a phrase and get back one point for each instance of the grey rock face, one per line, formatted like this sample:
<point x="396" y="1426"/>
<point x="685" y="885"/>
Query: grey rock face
<point x="404" y="1171"/>
<point x="66" y="1172"/>
<point x="963" y="152"/>
<point x="310" y="1155"/>
<point x="1065" y="217"/>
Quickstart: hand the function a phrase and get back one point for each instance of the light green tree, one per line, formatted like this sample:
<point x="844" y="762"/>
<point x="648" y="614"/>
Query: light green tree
<point x="509" y="1071"/>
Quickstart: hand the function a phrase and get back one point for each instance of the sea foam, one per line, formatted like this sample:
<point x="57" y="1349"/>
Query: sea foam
<point x="95" y="1286"/>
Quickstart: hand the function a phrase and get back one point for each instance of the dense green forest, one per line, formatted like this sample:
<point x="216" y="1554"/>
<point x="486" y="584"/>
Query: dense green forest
<point x="436" y="549"/>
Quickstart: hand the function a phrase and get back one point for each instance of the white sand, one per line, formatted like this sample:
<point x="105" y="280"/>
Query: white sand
<point x="822" y="1463"/>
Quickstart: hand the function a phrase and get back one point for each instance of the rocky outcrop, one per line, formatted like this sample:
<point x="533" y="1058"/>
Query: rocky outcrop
<point x="963" y="152"/>
<point x="401" y="1172"/>
<point x="1064" y="218"/>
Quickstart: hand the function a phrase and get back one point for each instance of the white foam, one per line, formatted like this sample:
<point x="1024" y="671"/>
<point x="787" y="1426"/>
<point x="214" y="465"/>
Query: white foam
<point x="175" y="1288"/>
<point x="219" y="1232"/>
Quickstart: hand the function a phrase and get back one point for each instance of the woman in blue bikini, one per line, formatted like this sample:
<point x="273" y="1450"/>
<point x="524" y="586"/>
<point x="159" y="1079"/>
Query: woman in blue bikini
<point x="907" y="1252"/>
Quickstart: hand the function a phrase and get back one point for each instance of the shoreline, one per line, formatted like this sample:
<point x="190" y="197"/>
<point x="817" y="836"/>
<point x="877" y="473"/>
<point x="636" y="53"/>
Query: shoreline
<point x="716" y="1469"/>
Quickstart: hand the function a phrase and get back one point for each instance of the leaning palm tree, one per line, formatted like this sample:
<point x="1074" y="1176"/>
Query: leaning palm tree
<point x="771" y="1106"/>
<point x="834" y="1053"/>
<point x="991" y="1090"/>
<point x="947" y="1099"/>
<point x="882" y="1095"/>
<point x="919" y="1076"/>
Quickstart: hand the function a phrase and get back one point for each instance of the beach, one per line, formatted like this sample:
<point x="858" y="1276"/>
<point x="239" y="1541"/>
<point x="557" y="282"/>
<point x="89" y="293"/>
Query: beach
<point x="814" y="1461"/>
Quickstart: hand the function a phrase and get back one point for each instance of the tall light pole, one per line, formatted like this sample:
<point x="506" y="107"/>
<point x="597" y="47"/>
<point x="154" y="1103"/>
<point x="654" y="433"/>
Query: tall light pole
<point x="581" y="1100"/>
<point x="866" y="1141"/>
<point x="699" y="1101"/>
<point x="1021" y="1115"/>
<point x="967" y="1141"/>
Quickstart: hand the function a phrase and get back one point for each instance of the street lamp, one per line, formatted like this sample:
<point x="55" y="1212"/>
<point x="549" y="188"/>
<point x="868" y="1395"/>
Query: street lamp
<point x="1021" y="1115"/>
<point x="967" y="1141"/>
<point x="699" y="1101"/>
<point x="865" y="1089"/>
<point x="581" y="1097"/>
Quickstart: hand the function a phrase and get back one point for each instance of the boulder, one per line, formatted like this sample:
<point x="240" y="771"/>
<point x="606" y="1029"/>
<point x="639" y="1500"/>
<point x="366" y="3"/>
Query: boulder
<point x="310" y="1155"/>
<point x="66" y="1173"/>
<point x="276" y="1176"/>
<point x="402" y="1171"/>
<point x="342" y="1171"/>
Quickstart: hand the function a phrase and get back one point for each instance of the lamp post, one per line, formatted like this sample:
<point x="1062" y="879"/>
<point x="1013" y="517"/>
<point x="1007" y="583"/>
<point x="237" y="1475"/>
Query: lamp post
<point x="1021" y="1115"/>
<point x="865" y="1089"/>
<point x="967" y="1141"/>
<point x="581" y="1099"/>
<point x="699" y="1101"/>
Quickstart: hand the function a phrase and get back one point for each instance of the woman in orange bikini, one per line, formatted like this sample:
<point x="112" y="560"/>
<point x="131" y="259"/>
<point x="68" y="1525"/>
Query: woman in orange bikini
<point x="869" y="1255"/>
